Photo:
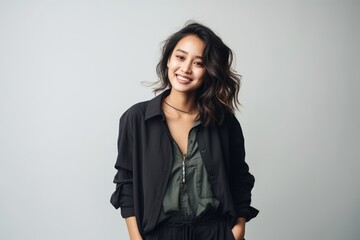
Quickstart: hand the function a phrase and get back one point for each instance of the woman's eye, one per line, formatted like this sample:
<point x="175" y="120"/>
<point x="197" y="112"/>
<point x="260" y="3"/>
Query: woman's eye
<point x="180" y="57"/>
<point x="199" y="64"/>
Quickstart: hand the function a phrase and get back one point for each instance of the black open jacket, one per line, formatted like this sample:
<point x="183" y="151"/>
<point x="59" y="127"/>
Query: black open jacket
<point x="144" y="164"/>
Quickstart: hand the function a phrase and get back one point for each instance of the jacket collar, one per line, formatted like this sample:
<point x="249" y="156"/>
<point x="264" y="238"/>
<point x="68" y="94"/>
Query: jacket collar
<point x="154" y="105"/>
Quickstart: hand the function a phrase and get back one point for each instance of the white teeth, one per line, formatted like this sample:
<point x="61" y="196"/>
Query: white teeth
<point x="183" y="78"/>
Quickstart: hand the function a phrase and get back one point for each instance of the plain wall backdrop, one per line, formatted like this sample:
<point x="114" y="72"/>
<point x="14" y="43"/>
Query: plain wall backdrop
<point x="69" y="69"/>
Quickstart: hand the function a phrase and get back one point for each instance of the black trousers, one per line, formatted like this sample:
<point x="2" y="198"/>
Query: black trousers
<point x="209" y="227"/>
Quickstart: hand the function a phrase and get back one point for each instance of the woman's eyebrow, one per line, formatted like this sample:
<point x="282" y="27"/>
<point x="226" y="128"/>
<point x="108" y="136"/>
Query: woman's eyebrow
<point x="185" y="52"/>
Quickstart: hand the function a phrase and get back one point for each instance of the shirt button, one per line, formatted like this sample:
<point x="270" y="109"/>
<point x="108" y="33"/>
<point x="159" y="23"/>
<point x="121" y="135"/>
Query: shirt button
<point x="211" y="173"/>
<point x="203" y="150"/>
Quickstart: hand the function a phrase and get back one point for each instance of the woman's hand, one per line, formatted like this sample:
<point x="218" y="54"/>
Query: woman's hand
<point x="239" y="229"/>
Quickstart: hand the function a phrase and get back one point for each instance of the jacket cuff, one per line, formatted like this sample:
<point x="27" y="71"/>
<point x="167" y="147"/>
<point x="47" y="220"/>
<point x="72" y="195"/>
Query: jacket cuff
<point x="248" y="213"/>
<point x="127" y="212"/>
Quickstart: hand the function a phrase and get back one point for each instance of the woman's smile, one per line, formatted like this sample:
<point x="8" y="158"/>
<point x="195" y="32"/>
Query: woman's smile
<point x="183" y="79"/>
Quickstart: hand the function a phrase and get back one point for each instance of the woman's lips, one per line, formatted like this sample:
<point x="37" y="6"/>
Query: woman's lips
<point x="183" y="79"/>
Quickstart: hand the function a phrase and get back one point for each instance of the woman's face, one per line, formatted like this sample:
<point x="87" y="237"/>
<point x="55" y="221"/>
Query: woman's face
<point x="185" y="66"/>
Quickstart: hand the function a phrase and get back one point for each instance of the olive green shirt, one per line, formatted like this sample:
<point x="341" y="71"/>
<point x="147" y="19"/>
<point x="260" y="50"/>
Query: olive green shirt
<point x="188" y="191"/>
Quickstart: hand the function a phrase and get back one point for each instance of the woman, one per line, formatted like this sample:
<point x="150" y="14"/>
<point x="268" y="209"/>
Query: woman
<point x="181" y="168"/>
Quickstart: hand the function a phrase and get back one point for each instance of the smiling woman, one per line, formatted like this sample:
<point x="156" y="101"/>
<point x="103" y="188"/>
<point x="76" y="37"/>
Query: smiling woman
<point x="181" y="167"/>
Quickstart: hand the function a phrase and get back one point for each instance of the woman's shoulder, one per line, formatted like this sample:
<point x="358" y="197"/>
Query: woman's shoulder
<point x="229" y="118"/>
<point x="136" y="111"/>
<point x="146" y="109"/>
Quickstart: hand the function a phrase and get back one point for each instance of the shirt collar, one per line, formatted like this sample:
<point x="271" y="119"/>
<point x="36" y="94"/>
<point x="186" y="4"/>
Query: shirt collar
<point x="154" y="106"/>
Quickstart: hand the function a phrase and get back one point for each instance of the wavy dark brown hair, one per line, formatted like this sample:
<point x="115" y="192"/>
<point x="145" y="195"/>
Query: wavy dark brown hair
<point x="219" y="91"/>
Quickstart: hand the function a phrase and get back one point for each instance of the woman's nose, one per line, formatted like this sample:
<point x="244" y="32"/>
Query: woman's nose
<point x="186" y="67"/>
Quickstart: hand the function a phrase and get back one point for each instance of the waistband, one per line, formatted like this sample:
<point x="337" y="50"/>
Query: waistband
<point x="200" y="220"/>
<point x="187" y="224"/>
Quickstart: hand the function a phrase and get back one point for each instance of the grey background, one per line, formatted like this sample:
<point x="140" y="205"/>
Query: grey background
<point x="68" y="69"/>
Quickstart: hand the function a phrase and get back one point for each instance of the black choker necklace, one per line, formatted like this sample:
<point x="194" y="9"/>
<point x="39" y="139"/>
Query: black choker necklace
<point x="176" y="108"/>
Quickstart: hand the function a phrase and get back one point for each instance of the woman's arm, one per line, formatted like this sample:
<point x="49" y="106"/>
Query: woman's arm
<point x="123" y="197"/>
<point x="133" y="228"/>
<point x="241" y="180"/>
<point x="239" y="229"/>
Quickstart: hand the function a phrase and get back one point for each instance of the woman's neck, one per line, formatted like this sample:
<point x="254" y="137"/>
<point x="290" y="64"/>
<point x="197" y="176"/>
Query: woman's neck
<point x="184" y="101"/>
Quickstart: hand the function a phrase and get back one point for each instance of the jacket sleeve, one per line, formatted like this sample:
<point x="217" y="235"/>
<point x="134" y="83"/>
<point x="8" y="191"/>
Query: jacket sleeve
<point x="241" y="180"/>
<point x="123" y="195"/>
